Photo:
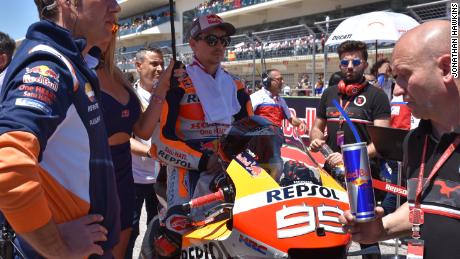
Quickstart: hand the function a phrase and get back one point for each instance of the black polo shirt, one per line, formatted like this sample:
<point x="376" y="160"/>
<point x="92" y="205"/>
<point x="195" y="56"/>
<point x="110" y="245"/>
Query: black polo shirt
<point x="370" y="104"/>
<point x="441" y="198"/>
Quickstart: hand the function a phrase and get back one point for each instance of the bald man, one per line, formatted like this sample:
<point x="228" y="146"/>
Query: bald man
<point x="424" y="79"/>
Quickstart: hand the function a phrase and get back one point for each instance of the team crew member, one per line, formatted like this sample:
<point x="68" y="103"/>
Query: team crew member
<point x="363" y="102"/>
<point x="268" y="103"/>
<point x="424" y="79"/>
<point x="123" y="117"/>
<point x="401" y="114"/>
<point x="7" y="47"/>
<point x="196" y="113"/>
<point x="149" y="65"/>
<point x="401" y="118"/>
<point x="382" y="72"/>
<point x="56" y="175"/>
<point x="121" y="109"/>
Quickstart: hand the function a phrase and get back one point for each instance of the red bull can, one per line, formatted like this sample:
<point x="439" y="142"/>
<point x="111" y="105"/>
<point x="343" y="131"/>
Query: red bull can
<point x="359" y="181"/>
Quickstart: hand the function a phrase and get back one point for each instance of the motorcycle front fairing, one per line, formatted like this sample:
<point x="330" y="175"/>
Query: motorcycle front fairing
<point x="268" y="220"/>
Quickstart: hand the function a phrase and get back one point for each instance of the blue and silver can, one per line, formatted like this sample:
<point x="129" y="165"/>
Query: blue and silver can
<point x="359" y="181"/>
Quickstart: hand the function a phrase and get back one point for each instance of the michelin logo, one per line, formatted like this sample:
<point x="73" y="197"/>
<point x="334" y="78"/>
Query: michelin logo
<point x="34" y="104"/>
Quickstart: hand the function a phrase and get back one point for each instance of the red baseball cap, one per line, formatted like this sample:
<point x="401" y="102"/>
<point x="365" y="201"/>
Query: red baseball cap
<point x="209" y="21"/>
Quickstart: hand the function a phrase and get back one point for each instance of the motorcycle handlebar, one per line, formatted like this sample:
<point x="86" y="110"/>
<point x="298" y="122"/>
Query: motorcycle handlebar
<point x="204" y="200"/>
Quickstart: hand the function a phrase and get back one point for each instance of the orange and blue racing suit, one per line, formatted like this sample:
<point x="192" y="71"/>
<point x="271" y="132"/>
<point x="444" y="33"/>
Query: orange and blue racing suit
<point x="55" y="161"/>
<point x="185" y="141"/>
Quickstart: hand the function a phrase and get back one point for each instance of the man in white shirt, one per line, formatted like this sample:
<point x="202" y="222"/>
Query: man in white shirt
<point x="268" y="103"/>
<point x="7" y="47"/>
<point x="149" y="65"/>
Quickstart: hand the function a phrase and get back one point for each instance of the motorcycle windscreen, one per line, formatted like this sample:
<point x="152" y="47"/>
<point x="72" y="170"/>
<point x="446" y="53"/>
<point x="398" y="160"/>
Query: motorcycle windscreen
<point x="294" y="153"/>
<point x="257" y="137"/>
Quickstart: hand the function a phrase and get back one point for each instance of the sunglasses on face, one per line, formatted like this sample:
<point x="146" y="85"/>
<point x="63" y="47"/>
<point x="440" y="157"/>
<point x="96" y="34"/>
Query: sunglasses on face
<point x="355" y="62"/>
<point x="212" y="40"/>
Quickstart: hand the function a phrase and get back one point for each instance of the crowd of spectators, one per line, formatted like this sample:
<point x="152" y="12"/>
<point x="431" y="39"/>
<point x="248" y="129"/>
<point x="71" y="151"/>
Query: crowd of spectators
<point x="219" y="6"/>
<point x="244" y="50"/>
<point x="126" y="62"/>
<point x="288" y="47"/>
<point x="299" y="46"/>
<point x="139" y="23"/>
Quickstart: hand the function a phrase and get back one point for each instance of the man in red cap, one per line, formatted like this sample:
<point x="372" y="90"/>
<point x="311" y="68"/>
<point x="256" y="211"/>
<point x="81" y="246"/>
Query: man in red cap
<point x="196" y="113"/>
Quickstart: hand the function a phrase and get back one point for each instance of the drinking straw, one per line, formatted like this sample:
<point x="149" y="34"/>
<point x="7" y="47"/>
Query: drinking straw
<point x="350" y="124"/>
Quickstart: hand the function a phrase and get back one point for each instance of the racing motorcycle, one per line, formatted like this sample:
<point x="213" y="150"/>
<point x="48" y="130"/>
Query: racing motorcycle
<point x="259" y="217"/>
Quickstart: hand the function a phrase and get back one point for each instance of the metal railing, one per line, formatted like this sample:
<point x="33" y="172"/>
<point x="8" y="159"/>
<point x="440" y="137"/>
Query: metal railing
<point x="430" y="11"/>
<point x="290" y="44"/>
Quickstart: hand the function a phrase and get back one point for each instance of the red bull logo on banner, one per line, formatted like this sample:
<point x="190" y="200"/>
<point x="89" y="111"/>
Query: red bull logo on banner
<point x="291" y="131"/>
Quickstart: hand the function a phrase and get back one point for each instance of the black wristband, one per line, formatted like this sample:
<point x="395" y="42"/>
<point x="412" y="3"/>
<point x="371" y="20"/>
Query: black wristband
<point x="202" y="165"/>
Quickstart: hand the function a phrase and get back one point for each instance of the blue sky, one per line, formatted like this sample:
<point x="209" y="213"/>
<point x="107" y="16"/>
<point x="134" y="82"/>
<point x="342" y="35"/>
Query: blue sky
<point x="16" y="16"/>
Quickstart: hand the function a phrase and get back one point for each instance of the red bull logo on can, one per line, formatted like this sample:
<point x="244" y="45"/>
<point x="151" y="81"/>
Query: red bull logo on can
<point x="359" y="182"/>
<point x="358" y="174"/>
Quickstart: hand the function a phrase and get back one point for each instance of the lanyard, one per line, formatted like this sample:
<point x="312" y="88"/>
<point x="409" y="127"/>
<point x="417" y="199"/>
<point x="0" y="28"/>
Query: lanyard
<point x="341" y="118"/>
<point x="447" y="153"/>
<point x="416" y="214"/>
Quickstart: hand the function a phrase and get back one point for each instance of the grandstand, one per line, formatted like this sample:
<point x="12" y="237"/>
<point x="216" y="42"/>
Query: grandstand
<point x="285" y="34"/>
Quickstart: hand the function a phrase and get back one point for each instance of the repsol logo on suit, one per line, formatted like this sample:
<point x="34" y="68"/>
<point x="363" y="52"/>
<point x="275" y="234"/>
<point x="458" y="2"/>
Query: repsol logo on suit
<point x="192" y="98"/>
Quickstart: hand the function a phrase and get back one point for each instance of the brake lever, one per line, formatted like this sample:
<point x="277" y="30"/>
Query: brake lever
<point x="219" y="209"/>
<point x="215" y="214"/>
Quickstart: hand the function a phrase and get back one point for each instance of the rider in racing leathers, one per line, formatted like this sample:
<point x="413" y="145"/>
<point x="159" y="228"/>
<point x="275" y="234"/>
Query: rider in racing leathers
<point x="196" y="113"/>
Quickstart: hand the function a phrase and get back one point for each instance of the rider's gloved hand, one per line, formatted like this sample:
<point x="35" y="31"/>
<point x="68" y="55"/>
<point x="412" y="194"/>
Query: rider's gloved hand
<point x="214" y="165"/>
<point x="296" y="172"/>
<point x="219" y="181"/>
